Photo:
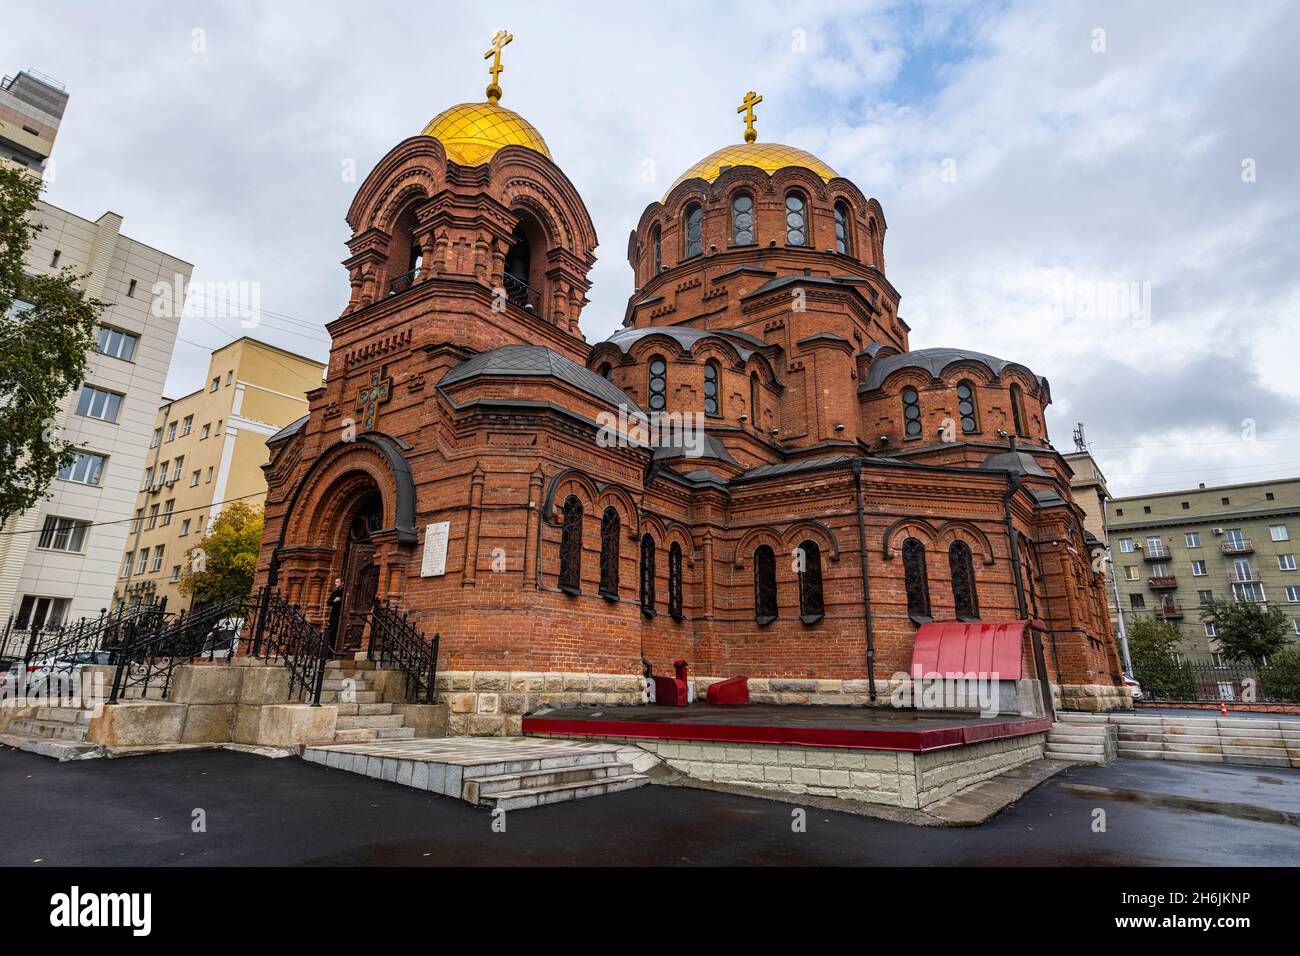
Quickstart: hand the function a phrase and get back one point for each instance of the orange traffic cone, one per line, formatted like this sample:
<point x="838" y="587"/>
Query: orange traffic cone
<point x="1223" y="709"/>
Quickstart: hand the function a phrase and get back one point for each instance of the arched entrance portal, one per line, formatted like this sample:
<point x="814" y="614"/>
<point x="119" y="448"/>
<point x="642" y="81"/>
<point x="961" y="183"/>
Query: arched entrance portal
<point x="360" y="572"/>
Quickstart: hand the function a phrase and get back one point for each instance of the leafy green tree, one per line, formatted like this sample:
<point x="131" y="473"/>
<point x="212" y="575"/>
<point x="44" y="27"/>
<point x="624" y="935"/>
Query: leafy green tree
<point x="46" y="327"/>
<point x="1153" y="646"/>
<point x="1247" y="630"/>
<point x="1280" y="677"/>
<point x="221" y="566"/>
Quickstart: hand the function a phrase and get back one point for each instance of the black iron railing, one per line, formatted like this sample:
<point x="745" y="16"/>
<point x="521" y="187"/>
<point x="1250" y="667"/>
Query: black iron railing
<point x="396" y="642"/>
<point x="1202" y="680"/>
<point x="520" y="293"/>
<point x="403" y="282"/>
<point x="89" y="634"/>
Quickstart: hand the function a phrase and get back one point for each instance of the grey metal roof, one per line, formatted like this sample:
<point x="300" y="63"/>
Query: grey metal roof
<point x="291" y="429"/>
<point x="1022" y="463"/>
<point x="932" y="360"/>
<point x="526" y="360"/>
<point x="685" y="336"/>
<point x="712" y="449"/>
<point x="791" y="467"/>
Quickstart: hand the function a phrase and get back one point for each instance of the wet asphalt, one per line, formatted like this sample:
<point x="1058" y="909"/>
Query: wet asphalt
<point x="141" y="811"/>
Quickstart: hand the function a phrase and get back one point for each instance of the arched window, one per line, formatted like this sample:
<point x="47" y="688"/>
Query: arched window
<point x="1028" y="580"/>
<point x="1017" y="410"/>
<point x="742" y="219"/>
<point x="843" y="239"/>
<point x="911" y="413"/>
<point x="609" y="553"/>
<point x="871" y="238"/>
<point x="605" y="371"/>
<point x="712" y="395"/>
<point x="966" y="407"/>
<point x="571" y="547"/>
<point x="963" y="581"/>
<point x="812" y="608"/>
<point x="764" y="584"/>
<point x="694" y="235"/>
<point x="658" y="369"/>
<point x="796" y="221"/>
<point x="915" y="580"/>
<point x="753" y="398"/>
<point x="656" y="253"/>
<point x="647" y="575"/>
<point x="675" y="580"/>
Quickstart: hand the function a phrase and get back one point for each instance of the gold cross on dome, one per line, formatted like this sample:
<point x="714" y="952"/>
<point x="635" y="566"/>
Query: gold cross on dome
<point x="751" y="100"/>
<point x="375" y="392"/>
<point x="498" y="43"/>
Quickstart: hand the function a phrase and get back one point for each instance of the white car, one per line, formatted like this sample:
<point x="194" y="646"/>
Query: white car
<point x="39" y="673"/>
<point x="222" y="640"/>
<point x="1133" y="686"/>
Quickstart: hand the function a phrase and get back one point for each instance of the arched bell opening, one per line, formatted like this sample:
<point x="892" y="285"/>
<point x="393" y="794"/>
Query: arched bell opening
<point x="525" y="265"/>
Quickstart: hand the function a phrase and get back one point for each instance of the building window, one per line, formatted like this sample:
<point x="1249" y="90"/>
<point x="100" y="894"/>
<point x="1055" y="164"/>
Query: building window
<point x="126" y="565"/>
<point x="843" y="243"/>
<point x="1137" y="602"/>
<point x="1278" y="532"/>
<point x="694" y="230"/>
<point x="656" y="252"/>
<point x="1286" y="562"/>
<point x="168" y="507"/>
<point x="185" y="527"/>
<point x="1187" y="506"/>
<point x="1126" y="545"/>
<point x="712" y="398"/>
<point x="812" y="603"/>
<point x="911" y="413"/>
<point x="754" y="398"/>
<point x="675" y="580"/>
<point x="157" y="558"/>
<point x="647" y="575"/>
<point x="658" y="370"/>
<point x="966" y="407"/>
<point x="1224" y="501"/>
<point x="176" y="572"/>
<point x="1119" y="512"/>
<point x="1017" y="411"/>
<point x="764" y="584"/>
<point x="63" y="534"/>
<point x="216" y="384"/>
<point x="157" y="438"/>
<point x="1198" y="569"/>
<point x="194" y="477"/>
<point x="36" y="611"/>
<point x="1130" y="572"/>
<point x="187" y="425"/>
<point x="1160" y="570"/>
<point x="742" y="219"/>
<point x="153" y="517"/>
<point x="1205" y="597"/>
<point x="962" y="567"/>
<point x="116" y="343"/>
<point x="571" y="547"/>
<point x="915" y="580"/>
<point x="609" y="555"/>
<point x="1293" y="595"/>
<point x="1193" y="539"/>
<point x="130" y="290"/>
<point x="1211" y="630"/>
<point x="207" y="430"/>
<point x="796" y="221"/>
<point x="54" y="259"/>
<point x="86" y="468"/>
<point x="176" y="470"/>
<point x="1249" y="591"/>
<point x="98" y="403"/>
<point x="171" y="432"/>
<point x="144" y="561"/>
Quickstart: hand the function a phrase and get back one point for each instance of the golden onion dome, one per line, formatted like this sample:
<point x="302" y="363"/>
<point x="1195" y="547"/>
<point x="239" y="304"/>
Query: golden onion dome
<point x="766" y="156"/>
<point x="472" y="132"/>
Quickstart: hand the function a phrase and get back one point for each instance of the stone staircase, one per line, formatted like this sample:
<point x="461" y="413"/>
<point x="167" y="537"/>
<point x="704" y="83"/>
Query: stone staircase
<point x="506" y="773"/>
<point x="1249" y="741"/>
<point x="1093" y="742"/>
<point x="51" y="723"/>
<point x="356" y="688"/>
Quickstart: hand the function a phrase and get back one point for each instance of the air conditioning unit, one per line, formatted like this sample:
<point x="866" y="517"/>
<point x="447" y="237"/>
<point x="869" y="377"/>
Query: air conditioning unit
<point x="1218" y="531"/>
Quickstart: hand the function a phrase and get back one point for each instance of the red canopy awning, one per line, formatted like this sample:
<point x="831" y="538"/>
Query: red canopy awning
<point x="981" y="649"/>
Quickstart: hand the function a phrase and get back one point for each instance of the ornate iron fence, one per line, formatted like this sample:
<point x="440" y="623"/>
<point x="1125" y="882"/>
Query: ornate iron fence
<point x="396" y="642"/>
<point x="89" y="634"/>
<point x="520" y="293"/>
<point x="1208" y="680"/>
<point x="279" y="632"/>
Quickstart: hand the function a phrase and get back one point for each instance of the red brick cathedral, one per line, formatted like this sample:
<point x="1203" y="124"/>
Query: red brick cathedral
<point x="755" y="474"/>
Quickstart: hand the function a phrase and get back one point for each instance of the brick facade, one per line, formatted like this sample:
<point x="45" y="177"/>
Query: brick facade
<point x="496" y="447"/>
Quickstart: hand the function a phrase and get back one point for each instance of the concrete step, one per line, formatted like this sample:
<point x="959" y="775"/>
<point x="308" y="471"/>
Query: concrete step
<point x="361" y="710"/>
<point x="532" y="764"/>
<point x="1069" y="748"/>
<point x="47" y="729"/>
<point x="357" y="665"/>
<point x="522" y="799"/>
<point x="476" y="788"/>
<point x="370" y="720"/>
<point x="355" y="736"/>
<point x="1087" y="758"/>
<point x="395" y="733"/>
<point x="357" y="697"/>
<point x="64" y="715"/>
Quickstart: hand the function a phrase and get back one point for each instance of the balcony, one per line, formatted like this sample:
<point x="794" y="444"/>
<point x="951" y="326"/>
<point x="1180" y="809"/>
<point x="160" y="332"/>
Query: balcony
<point x="1246" y="576"/>
<point x="1238" y="546"/>
<point x="1162" y="583"/>
<point x="1157" y="553"/>
<point x="1169" y="611"/>
<point x="403" y="282"/>
<point x="520" y="293"/>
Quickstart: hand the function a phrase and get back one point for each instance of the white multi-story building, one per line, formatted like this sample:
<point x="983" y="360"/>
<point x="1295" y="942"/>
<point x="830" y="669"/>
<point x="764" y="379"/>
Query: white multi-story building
<point x="59" y="560"/>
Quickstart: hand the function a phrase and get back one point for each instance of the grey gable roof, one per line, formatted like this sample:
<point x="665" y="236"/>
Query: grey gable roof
<point x="288" y="430"/>
<point x="527" y="360"/>
<point x="932" y="360"/>
<point x="744" y="343"/>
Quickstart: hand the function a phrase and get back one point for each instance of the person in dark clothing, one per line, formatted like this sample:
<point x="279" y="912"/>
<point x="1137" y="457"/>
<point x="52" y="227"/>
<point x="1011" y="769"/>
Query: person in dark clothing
<point x="336" y="612"/>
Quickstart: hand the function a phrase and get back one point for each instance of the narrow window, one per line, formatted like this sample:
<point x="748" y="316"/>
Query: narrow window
<point x="656" y="252"/>
<point x="915" y="580"/>
<point x="130" y="289"/>
<point x="796" y="220"/>
<point x="712" y="397"/>
<point x="694" y="236"/>
<point x="571" y="547"/>
<point x="753" y="397"/>
<point x="647" y="575"/>
<point x="1017" y="412"/>
<point x="609" y="553"/>
<point x="963" y="581"/>
<point x="605" y="370"/>
<point x="843" y="243"/>
<point x="812" y="607"/>
<point x="911" y="413"/>
<point x="764" y="584"/>
<point x="742" y="219"/>
<point x="966" y="407"/>
<point x="675" y="580"/>
<point x="658" y="383"/>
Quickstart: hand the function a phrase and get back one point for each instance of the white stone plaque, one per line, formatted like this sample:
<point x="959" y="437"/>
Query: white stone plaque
<point x="435" y="549"/>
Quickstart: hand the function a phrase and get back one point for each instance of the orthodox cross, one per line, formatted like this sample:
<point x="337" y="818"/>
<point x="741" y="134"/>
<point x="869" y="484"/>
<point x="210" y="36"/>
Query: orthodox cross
<point x="373" y="394"/>
<point x="751" y="100"/>
<point x="498" y="42"/>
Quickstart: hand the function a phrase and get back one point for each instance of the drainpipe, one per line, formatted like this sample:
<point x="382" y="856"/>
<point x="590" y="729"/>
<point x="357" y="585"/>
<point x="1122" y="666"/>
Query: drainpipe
<point x="866" y="582"/>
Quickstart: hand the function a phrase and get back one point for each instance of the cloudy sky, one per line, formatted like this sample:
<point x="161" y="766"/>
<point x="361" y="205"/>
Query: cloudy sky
<point x="1107" y="192"/>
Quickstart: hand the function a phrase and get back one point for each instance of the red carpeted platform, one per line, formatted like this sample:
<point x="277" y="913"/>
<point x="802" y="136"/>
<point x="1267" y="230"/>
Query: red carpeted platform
<point x="796" y="725"/>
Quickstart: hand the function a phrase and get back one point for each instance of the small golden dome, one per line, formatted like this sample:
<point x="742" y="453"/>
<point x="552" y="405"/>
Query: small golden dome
<point x="472" y="132"/>
<point x="766" y="156"/>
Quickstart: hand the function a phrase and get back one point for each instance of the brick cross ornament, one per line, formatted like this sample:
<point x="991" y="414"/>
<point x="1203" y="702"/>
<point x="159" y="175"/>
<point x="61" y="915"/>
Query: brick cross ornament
<point x="373" y="394"/>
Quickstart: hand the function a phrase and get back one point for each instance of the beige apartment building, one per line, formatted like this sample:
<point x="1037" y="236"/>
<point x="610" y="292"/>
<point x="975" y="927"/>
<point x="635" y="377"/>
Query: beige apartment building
<point x="1177" y="550"/>
<point x="208" y="449"/>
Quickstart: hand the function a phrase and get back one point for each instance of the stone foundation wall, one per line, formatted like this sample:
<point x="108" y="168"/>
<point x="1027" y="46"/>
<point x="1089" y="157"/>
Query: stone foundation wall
<point x="493" y="703"/>
<point x="1092" y="698"/>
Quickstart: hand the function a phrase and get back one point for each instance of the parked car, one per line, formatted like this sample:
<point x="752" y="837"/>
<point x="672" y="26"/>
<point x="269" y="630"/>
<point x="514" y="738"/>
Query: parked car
<point x="38" y="672"/>
<point x="1131" y="683"/>
<point x="222" y="640"/>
